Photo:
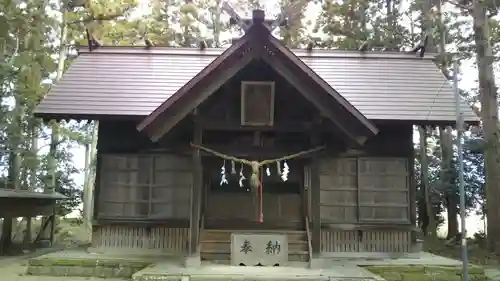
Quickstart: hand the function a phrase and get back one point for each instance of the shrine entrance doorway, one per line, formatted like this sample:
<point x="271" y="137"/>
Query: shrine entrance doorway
<point x="237" y="207"/>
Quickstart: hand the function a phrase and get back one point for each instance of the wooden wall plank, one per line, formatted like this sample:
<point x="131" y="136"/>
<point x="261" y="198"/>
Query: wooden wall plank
<point x="364" y="189"/>
<point x="384" y="190"/>
<point x="360" y="190"/>
<point x="375" y="241"/>
<point x="276" y="207"/>
<point x="339" y="194"/>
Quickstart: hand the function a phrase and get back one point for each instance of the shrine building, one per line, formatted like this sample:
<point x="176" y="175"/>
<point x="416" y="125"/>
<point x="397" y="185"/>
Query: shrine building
<point x="260" y="148"/>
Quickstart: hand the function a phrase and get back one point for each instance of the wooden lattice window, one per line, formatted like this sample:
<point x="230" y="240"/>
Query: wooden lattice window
<point x="383" y="189"/>
<point x="145" y="187"/>
<point x="338" y="190"/>
<point x="364" y="190"/>
<point x="257" y="103"/>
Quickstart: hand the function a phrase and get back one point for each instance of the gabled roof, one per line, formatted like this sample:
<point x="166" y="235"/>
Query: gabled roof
<point x="134" y="81"/>
<point x="226" y="65"/>
<point x="258" y="43"/>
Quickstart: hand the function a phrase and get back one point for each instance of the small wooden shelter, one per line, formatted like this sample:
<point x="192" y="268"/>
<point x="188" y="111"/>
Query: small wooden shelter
<point x="171" y="118"/>
<point x="22" y="203"/>
<point x="15" y="203"/>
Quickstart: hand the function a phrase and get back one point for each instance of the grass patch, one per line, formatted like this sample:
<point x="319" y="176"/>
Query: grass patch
<point x="426" y="273"/>
<point x="41" y="261"/>
<point x="105" y="268"/>
<point x="477" y="255"/>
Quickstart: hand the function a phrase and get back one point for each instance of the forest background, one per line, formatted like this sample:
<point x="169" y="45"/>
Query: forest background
<point x="37" y="40"/>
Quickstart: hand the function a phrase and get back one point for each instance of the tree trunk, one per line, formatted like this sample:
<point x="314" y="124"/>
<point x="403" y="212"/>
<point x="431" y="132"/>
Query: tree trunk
<point x="217" y="25"/>
<point x="452" y="216"/>
<point x="424" y="163"/>
<point x="6" y="240"/>
<point x="489" y="115"/>
<point x="448" y="180"/>
<point x="28" y="233"/>
<point x="50" y="186"/>
<point x="33" y="178"/>
<point x="92" y="171"/>
<point x="14" y="174"/>
<point x="390" y="45"/>
<point x="448" y="174"/>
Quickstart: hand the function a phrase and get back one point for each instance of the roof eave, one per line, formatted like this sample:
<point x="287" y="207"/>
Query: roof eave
<point x="319" y="53"/>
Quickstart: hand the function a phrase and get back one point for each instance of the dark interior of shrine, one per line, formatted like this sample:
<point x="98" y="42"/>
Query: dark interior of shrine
<point x="271" y="177"/>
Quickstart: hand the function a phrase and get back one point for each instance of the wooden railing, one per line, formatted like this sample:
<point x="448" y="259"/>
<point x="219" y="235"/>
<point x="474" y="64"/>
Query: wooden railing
<point x="202" y="226"/>
<point x="309" y="244"/>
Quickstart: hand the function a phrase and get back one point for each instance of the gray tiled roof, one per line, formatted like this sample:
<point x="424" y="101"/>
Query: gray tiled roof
<point x="11" y="193"/>
<point x="134" y="81"/>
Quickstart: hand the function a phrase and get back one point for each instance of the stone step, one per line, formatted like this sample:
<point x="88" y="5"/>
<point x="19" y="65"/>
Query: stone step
<point x="157" y="277"/>
<point x="215" y="234"/>
<point x="216" y="244"/>
<point x="219" y="256"/>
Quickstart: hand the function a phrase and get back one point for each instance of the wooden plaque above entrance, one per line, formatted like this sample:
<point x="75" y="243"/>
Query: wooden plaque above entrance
<point x="257" y="103"/>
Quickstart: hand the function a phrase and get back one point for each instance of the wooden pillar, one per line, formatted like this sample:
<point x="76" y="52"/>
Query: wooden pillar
<point x="412" y="185"/>
<point x="45" y="234"/>
<point x="315" y="200"/>
<point x="196" y="191"/>
<point x="97" y="185"/>
<point x="305" y="192"/>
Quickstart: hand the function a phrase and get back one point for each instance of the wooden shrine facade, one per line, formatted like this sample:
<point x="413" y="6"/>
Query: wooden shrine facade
<point x="252" y="110"/>
<point x="363" y="197"/>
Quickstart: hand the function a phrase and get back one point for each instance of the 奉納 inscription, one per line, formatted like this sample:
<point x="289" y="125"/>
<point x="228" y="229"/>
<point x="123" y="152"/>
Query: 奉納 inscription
<point x="246" y="247"/>
<point x="273" y="247"/>
<point x="259" y="249"/>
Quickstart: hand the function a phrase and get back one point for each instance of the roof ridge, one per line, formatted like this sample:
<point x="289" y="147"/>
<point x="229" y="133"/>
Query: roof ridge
<point x="319" y="53"/>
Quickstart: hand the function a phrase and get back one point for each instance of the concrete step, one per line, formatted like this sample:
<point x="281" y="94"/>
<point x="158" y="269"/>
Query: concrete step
<point x="215" y="234"/>
<point x="213" y="255"/>
<point x="222" y="272"/>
